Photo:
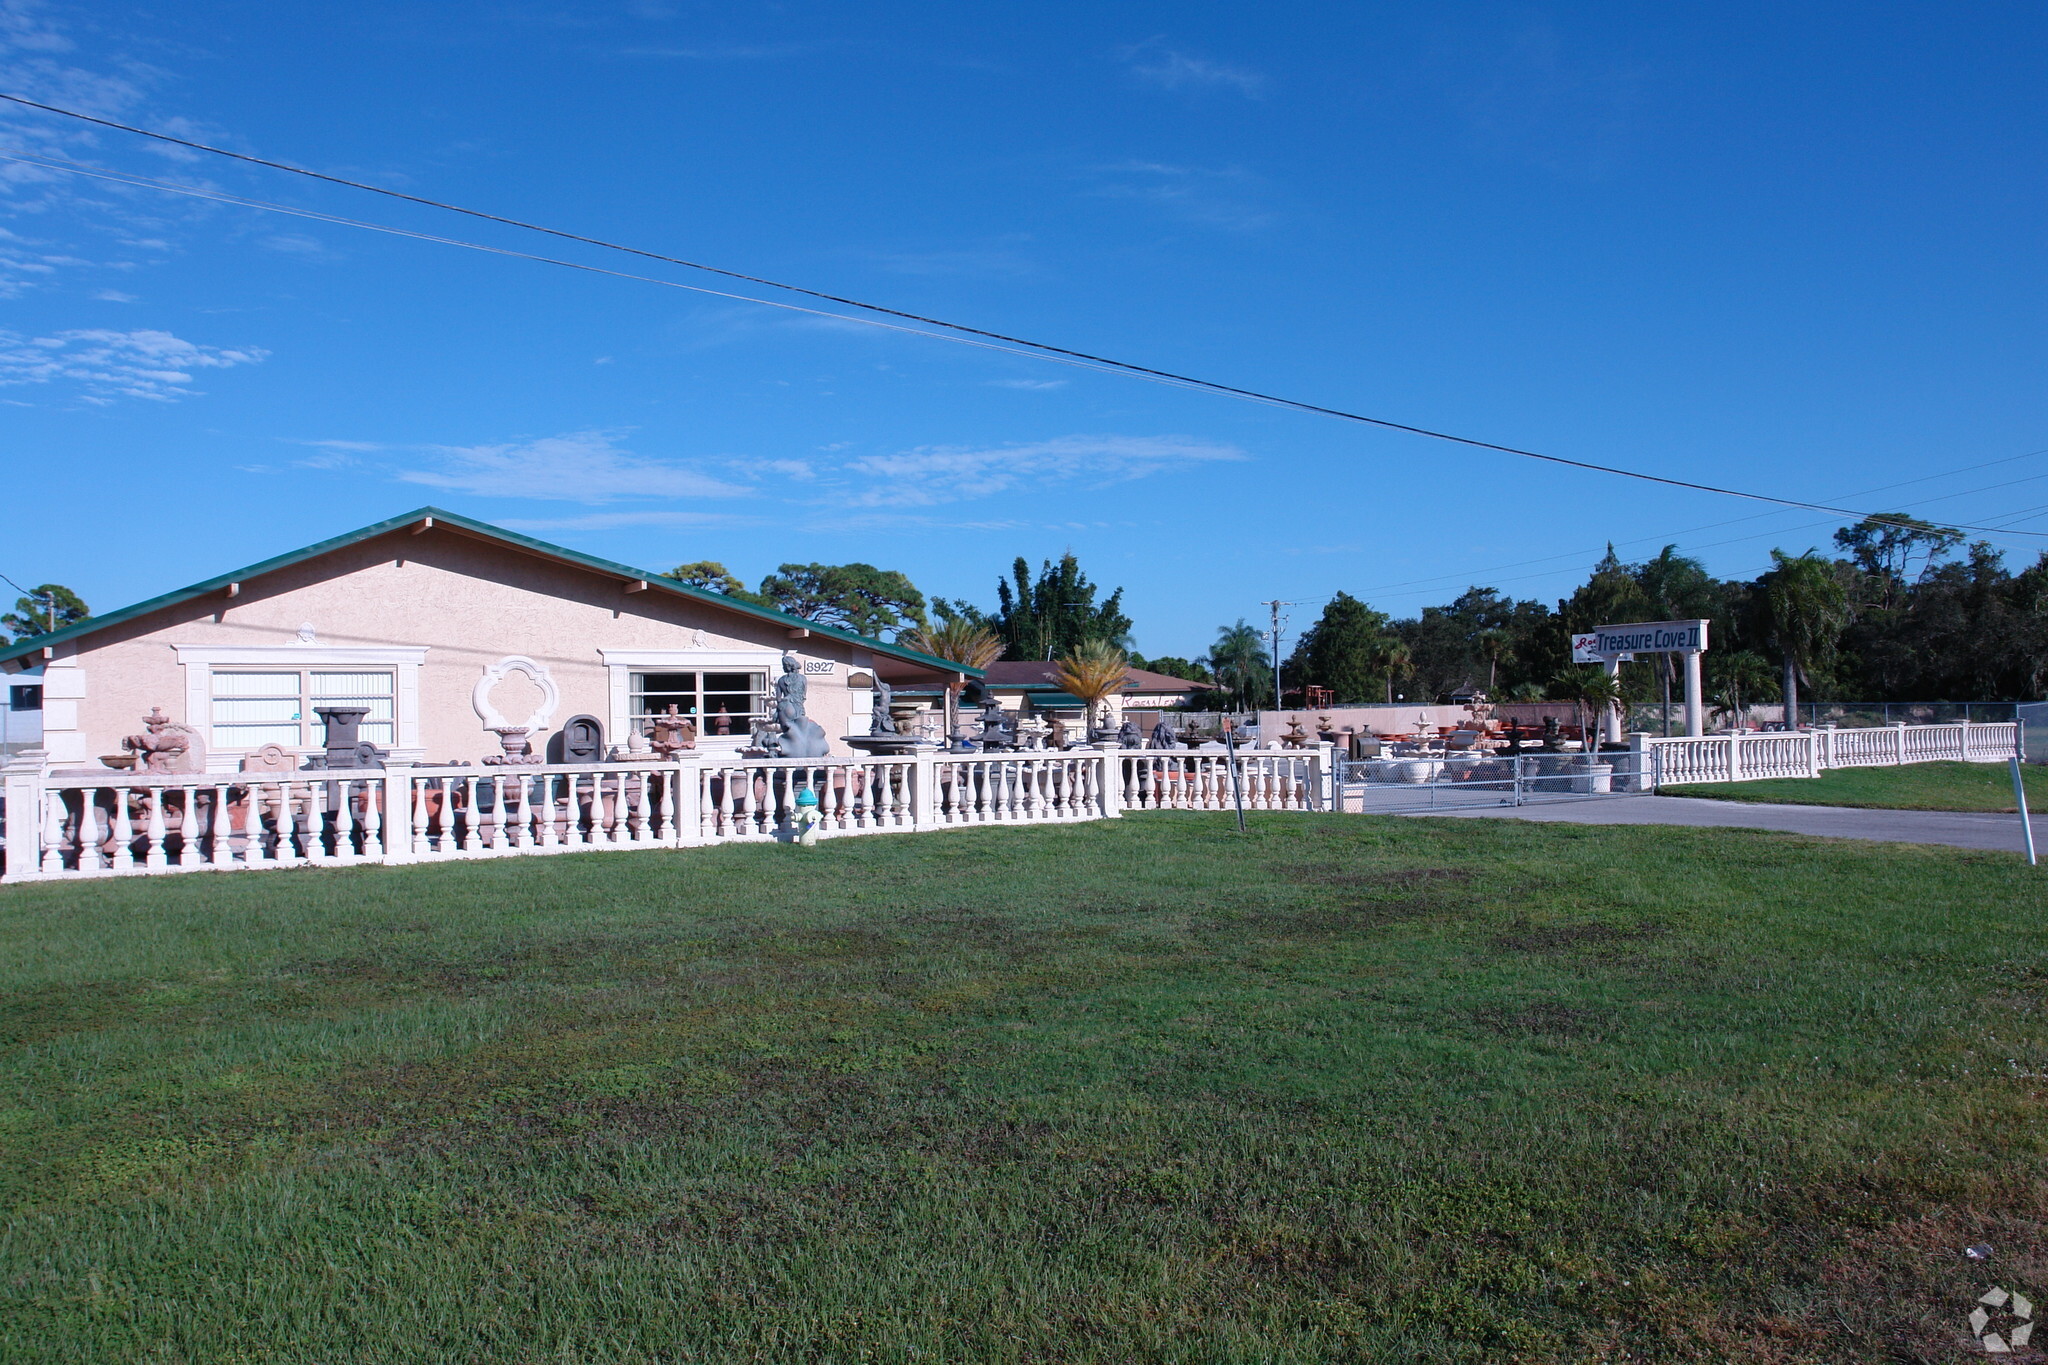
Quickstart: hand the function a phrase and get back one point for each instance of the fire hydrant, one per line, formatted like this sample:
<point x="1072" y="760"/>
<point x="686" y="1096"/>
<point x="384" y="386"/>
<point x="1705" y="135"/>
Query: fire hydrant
<point x="808" y="817"/>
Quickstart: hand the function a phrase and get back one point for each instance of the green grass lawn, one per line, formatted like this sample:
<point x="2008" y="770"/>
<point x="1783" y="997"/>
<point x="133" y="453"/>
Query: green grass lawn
<point x="1916" y="786"/>
<point x="1338" y="1089"/>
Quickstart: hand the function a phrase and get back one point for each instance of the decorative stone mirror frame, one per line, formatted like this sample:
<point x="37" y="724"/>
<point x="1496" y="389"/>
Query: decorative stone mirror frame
<point x="480" y="697"/>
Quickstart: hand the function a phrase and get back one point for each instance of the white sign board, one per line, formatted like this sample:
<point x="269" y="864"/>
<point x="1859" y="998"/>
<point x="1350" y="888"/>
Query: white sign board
<point x="1641" y="637"/>
<point x="1586" y="650"/>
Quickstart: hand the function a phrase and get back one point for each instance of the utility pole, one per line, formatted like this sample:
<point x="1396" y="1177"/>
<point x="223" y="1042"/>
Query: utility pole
<point x="1275" y="605"/>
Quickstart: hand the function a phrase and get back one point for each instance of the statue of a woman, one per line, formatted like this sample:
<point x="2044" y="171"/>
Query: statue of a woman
<point x="802" y="737"/>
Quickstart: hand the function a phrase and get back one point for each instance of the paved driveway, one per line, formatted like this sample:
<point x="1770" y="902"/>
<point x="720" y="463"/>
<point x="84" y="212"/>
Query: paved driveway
<point x="1963" y="829"/>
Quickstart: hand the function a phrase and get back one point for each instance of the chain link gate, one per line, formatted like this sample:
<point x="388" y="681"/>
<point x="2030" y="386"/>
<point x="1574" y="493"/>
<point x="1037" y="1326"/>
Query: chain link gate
<point x="1405" y="785"/>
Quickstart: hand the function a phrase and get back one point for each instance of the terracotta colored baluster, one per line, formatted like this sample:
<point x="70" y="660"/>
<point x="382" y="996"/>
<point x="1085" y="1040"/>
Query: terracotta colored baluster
<point x="254" y="854"/>
<point x="544" y="833"/>
<point x="154" y="835"/>
<point x="422" y="846"/>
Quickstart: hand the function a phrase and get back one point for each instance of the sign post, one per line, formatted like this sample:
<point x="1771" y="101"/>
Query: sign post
<point x="2019" y="796"/>
<point x="1611" y="646"/>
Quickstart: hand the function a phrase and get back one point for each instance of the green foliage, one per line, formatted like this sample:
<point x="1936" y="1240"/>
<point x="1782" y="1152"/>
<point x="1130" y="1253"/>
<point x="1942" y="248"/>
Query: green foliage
<point x="1592" y="691"/>
<point x="856" y="597"/>
<point x="1482" y="639"/>
<point x="33" y="614"/>
<point x="1238" y="662"/>
<point x="1348" y="650"/>
<point x="1174" y="667"/>
<point x="1885" y="547"/>
<point x="1144" y="1090"/>
<point x="1805" y="608"/>
<point x="1737" y="679"/>
<point x="1092" y="670"/>
<point x="709" y="575"/>
<point x="961" y="641"/>
<point x="1053" y="614"/>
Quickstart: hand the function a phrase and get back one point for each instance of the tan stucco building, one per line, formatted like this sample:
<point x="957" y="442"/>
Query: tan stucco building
<point x="443" y="626"/>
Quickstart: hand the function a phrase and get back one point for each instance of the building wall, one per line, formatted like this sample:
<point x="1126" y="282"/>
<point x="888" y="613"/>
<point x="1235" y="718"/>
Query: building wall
<point x="467" y="604"/>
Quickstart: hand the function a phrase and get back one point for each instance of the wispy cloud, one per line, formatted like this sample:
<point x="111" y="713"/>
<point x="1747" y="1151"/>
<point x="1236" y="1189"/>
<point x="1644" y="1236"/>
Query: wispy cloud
<point x="1030" y="385"/>
<point x="724" y="52"/>
<point x="348" y="447"/>
<point x="296" y="244"/>
<point x="107" y="366"/>
<point x="577" y="466"/>
<point x="1218" y="198"/>
<point x="618" y="521"/>
<point x="802" y="471"/>
<point x="36" y="61"/>
<point x="932" y="475"/>
<point x="113" y="296"/>
<point x="993" y="261"/>
<point x="1156" y="64"/>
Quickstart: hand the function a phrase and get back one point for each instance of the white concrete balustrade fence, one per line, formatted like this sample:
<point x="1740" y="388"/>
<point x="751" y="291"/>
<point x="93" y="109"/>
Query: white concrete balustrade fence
<point x="1808" y="753"/>
<point x="1288" y="779"/>
<point x="69" y="825"/>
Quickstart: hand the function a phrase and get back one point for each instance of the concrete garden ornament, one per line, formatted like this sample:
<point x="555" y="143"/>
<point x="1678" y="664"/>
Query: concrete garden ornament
<point x="168" y="747"/>
<point x="808" y="817"/>
<point x="800" y="736"/>
<point x="515" y="737"/>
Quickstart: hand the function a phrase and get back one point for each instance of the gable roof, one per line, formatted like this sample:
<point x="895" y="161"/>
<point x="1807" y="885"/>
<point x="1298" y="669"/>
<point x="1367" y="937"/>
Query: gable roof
<point x="482" y="530"/>
<point x="1034" y="673"/>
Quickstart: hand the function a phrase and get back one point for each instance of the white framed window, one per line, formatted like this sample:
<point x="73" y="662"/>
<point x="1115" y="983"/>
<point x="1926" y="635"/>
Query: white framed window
<point x="644" y="681"/>
<point x="255" y="707"/>
<point x="247" y="696"/>
<point x="721" y="701"/>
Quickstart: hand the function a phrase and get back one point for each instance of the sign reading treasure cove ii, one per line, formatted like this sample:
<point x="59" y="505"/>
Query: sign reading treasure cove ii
<point x="1612" y="646"/>
<point x="1643" y="637"/>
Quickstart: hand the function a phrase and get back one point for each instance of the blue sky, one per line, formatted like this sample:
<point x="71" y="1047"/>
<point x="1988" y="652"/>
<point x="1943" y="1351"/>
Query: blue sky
<point x="1790" y="248"/>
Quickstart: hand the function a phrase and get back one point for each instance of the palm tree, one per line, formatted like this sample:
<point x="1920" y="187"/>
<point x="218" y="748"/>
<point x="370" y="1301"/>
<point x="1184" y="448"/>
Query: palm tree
<point x="1238" y="659"/>
<point x="1092" y="671"/>
<point x="1675" y="587"/>
<point x="1603" y="698"/>
<point x="1805" y="609"/>
<point x="1742" y="673"/>
<point x="1390" y="657"/>
<point x="1593" y="693"/>
<point x="1493" y="647"/>
<point x="958" y="641"/>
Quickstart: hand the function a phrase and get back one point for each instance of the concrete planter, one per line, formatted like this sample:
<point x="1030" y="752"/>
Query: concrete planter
<point x="1593" y="779"/>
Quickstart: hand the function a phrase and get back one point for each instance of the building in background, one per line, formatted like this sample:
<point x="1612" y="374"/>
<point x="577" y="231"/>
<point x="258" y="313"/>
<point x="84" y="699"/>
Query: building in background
<point x="443" y="628"/>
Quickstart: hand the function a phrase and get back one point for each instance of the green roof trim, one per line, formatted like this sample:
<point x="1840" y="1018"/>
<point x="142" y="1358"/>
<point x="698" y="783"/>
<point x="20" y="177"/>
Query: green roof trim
<point x="35" y="644"/>
<point x="1059" y="701"/>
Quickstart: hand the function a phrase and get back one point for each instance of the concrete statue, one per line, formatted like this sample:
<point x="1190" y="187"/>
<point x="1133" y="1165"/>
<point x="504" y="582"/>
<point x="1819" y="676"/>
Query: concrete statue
<point x="674" y="733"/>
<point x="880" y="722"/>
<point x="800" y="737"/>
<point x="167" y="747"/>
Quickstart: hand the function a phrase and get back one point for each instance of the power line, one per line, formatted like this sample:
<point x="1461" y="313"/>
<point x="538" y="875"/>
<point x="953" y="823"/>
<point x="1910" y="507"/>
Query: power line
<point x="1667" y="535"/>
<point x="962" y="330"/>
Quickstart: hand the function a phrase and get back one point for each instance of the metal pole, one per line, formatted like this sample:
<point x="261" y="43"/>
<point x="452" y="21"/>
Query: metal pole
<point x="2019" y="794"/>
<point x="1275" y="605"/>
<point x="1236" y="791"/>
